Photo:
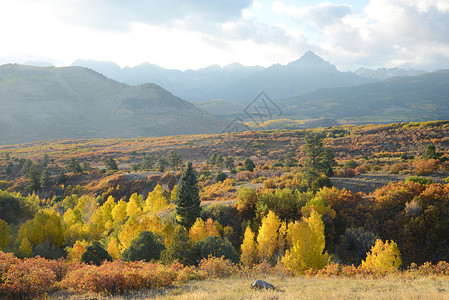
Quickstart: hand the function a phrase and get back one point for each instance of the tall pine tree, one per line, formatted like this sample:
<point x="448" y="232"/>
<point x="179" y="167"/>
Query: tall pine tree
<point x="188" y="203"/>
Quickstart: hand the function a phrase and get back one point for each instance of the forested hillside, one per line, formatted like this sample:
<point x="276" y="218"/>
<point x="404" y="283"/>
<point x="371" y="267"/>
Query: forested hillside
<point x="205" y="206"/>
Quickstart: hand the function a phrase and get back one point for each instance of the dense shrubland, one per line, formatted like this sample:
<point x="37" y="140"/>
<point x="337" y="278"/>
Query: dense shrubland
<point x="119" y="220"/>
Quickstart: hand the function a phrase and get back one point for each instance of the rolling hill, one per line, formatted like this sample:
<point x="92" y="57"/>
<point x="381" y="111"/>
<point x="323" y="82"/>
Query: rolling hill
<point x="43" y="103"/>
<point x="419" y="98"/>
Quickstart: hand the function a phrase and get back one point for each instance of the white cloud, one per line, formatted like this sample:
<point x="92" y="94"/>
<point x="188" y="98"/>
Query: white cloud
<point x="196" y="33"/>
<point x="413" y="33"/>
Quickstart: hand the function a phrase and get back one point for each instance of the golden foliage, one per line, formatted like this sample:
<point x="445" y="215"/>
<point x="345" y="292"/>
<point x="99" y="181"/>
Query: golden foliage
<point x="249" y="248"/>
<point x="267" y="239"/>
<point x="307" y="240"/>
<point x="383" y="256"/>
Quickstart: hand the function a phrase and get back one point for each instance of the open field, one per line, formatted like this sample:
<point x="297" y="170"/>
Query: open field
<point x="292" y="288"/>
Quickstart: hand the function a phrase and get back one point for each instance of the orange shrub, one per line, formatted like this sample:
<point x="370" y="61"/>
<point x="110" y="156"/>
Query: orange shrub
<point x="214" y="267"/>
<point x="396" y="168"/>
<point x="27" y="278"/>
<point x="244" y="176"/>
<point x="425" y="167"/>
<point x="118" y="276"/>
<point x="360" y="169"/>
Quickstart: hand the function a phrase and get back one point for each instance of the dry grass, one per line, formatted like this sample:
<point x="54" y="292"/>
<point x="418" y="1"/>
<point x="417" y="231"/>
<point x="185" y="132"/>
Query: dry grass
<point x="295" y="288"/>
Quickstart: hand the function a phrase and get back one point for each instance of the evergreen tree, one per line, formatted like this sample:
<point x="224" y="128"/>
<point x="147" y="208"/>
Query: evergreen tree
<point x="74" y="166"/>
<point x="188" y="203"/>
<point x="26" y="165"/>
<point x="45" y="180"/>
<point x="34" y="176"/>
<point x="218" y="247"/>
<point x="229" y="162"/>
<point x="61" y="177"/>
<point x="249" y="165"/>
<point x="45" y="161"/>
<point x="319" y="159"/>
<point x="174" y="159"/>
<point x="110" y="164"/>
<point x="147" y="162"/>
<point x="219" y="161"/>
<point x="86" y="167"/>
<point x="161" y="164"/>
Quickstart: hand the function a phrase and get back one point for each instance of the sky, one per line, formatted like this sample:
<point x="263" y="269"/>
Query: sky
<point x="192" y="34"/>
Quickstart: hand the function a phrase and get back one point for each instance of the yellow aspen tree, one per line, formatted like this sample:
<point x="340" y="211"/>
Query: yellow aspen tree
<point x="129" y="232"/>
<point x="87" y="206"/>
<point x="46" y="226"/>
<point x="383" y="256"/>
<point x="119" y="213"/>
<point x="114" y="248"/>
<point x="4" y="234"/>
<point x="198" y="231"/>
<point x="134" y="207"/>
<point x="211" y="229"/>
<point x="267" y="239"/>
<point x="220" y="228"/>
<point x="282" y="238"/>
<point x="77" y="251"/>
<point x="106" y="212"/>
<point x="249" y="248"/>
<point x="307" y="238"/>
<point x="25" y="248"/>
<point x="95" y="227"/>
<point x="156" y="200"/>
<point x="152" y="222"/>
<point x="173" y="193"/>
<point x="228" y="231"/>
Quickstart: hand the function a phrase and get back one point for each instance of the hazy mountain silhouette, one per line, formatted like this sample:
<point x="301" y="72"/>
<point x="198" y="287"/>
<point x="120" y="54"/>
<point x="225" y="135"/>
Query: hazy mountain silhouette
<point x="235" y="82"/>
<point x="386" y="73"/>
<point x="419" y="98"/>
<point x="41" y="103"/>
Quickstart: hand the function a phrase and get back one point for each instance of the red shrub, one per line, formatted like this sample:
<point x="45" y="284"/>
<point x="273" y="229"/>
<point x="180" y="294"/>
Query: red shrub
<point x="29" y="278"/>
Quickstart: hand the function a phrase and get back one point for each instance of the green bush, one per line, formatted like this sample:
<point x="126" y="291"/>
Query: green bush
<point x="220" y="176"/>
<point x="95" y="254"/>
<point x="218" y="247"/>
<point x="146" y="246"/>
<point x="420" y="180"/>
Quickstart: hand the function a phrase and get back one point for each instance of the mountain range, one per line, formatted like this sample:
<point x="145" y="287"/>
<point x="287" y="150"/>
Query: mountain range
<point x="240" y="84"/>
<point x="42" y="103"/>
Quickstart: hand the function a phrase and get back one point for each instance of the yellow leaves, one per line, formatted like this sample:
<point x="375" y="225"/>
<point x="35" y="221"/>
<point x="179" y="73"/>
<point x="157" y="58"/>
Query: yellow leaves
<point x="134" y="226"/>
<point x="44" y="227"/>
<point x="129" y="232"/>
<point x="383" y="256"/>
<point x="119" y="213"/>
<point x="201" y="230"/>
<point x="114" y="248"/>
<point x="198" y="231"/>
<point x="25" y="248"/>
<point x="134" y="207"/>
<point x="156" y="200"/>
<point x="249" y="248"/>
<point x="77" y="251"/>
<point x="267" y="238"/>
<point x="211" y="229"/>
<point x="307" y="245"/>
